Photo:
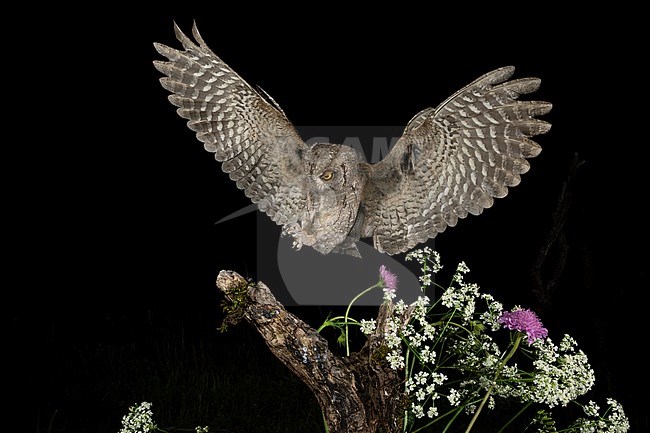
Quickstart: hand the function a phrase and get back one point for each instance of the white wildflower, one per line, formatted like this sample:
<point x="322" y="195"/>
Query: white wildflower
<point x="453" y="397"/>
<point x="568" y="343"/>
<point x="391" y="336"/>
<point x="560" y="376"/>
<point x="615" y="422"/>
<point x="432" y="412"/>
<point x="400" y="307"/>
<point x="139" y="419"/>
<point x="428" y="331"/>
<point x="591" y="409"/>
<point x="368" y="326"/>
<point x="418" y="410"/>
<point x="619" y="422"/>
<point x="420" y="377"/>
<point x="395" y="360"/>
<point x="425" y="280"/>
<point x="461" y="298"/>
<point x="427" y="354"/>
<point x="429" y="261"/>
<point x="494" y="310"/>
<point x="415" y="340"/>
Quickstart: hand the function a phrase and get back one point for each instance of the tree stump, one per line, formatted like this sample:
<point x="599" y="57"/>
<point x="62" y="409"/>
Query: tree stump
<point x="357" y="394"/>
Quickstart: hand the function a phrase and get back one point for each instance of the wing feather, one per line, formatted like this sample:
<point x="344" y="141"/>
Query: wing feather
<point x="257" y="145"/>
<point x="453" y="160"/>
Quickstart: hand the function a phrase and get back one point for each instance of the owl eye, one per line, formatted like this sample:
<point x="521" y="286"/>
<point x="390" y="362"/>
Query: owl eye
<point x="327" y="175"/>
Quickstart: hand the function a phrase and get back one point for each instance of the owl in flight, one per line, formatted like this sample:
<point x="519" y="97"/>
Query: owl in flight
<point x="451" y="160"/>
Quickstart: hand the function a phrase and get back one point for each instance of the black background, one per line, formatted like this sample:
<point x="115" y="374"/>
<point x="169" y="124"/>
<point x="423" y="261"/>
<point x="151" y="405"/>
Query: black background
<point x="112" y="200"/>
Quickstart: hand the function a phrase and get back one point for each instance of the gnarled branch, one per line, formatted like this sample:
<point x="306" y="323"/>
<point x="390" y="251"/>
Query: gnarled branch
<point x="360" y="393"/>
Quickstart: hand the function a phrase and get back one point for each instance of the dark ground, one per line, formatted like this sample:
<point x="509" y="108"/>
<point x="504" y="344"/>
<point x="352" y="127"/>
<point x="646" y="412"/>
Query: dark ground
<point x="114" y="201"/>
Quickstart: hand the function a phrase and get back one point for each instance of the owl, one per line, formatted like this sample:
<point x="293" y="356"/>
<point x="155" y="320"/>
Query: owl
<point x="451" y="161"/>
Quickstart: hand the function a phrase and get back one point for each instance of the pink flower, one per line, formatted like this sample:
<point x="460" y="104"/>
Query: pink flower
<point x="389" y="281"/>
<point x="524" y="321"/>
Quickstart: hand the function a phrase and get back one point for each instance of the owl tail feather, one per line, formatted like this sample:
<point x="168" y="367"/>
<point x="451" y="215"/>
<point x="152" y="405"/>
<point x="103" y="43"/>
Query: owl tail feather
<point x="348" y="247"/>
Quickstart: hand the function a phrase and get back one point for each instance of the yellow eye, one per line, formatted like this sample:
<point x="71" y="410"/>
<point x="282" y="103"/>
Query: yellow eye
<point x="327" y="175"/>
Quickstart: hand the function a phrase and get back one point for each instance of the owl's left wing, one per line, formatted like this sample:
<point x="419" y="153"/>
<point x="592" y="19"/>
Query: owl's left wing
<point x="257" y="145"/>
<point x="452" y="161"/>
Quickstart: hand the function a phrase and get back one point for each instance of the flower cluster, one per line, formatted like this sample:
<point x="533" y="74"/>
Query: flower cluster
<point x="140" y="420"/>
<point x="429" y="261"/>
<point x="453" y="365"/>
<point x="560" y="376"/>
<point x="462" y="298"/>
<point x="368" y="326"/>
<point x="422" y="387"/>
<point x="612" y="421"/>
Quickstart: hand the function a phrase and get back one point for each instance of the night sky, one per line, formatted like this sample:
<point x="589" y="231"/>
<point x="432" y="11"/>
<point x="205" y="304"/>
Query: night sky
<point x="114" y="202"/>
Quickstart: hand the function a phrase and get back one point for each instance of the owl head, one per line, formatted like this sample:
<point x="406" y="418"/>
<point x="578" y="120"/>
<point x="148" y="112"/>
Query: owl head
<point x="334" y="168"/>
<point x="336" y="180"/>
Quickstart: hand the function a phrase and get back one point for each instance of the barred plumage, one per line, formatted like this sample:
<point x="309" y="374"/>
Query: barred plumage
<point x="450" y="162"/>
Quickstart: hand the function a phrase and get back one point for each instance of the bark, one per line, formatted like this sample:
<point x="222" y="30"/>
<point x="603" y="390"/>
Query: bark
<point x="359" y="393"/>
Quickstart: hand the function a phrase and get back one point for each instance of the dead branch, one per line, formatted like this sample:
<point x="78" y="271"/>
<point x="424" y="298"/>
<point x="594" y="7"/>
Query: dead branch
<point x="357" y="394"/>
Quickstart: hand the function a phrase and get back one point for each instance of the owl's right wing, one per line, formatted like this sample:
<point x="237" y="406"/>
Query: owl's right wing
<point x="257" y="145"/>
<point x="453" y="160"/>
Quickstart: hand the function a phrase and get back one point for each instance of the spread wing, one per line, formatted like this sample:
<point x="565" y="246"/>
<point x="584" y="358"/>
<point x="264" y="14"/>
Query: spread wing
<point x="250" y="135"/>
<point x="453" y="160"/>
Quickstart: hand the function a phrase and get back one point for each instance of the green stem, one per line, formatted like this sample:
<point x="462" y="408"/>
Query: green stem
<point x="332" y="322"/>
<point x="406" y="376"/>
<point x="347" y="339"/>
<point x="456" y="411"/>
<point x="494" y="381"/>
